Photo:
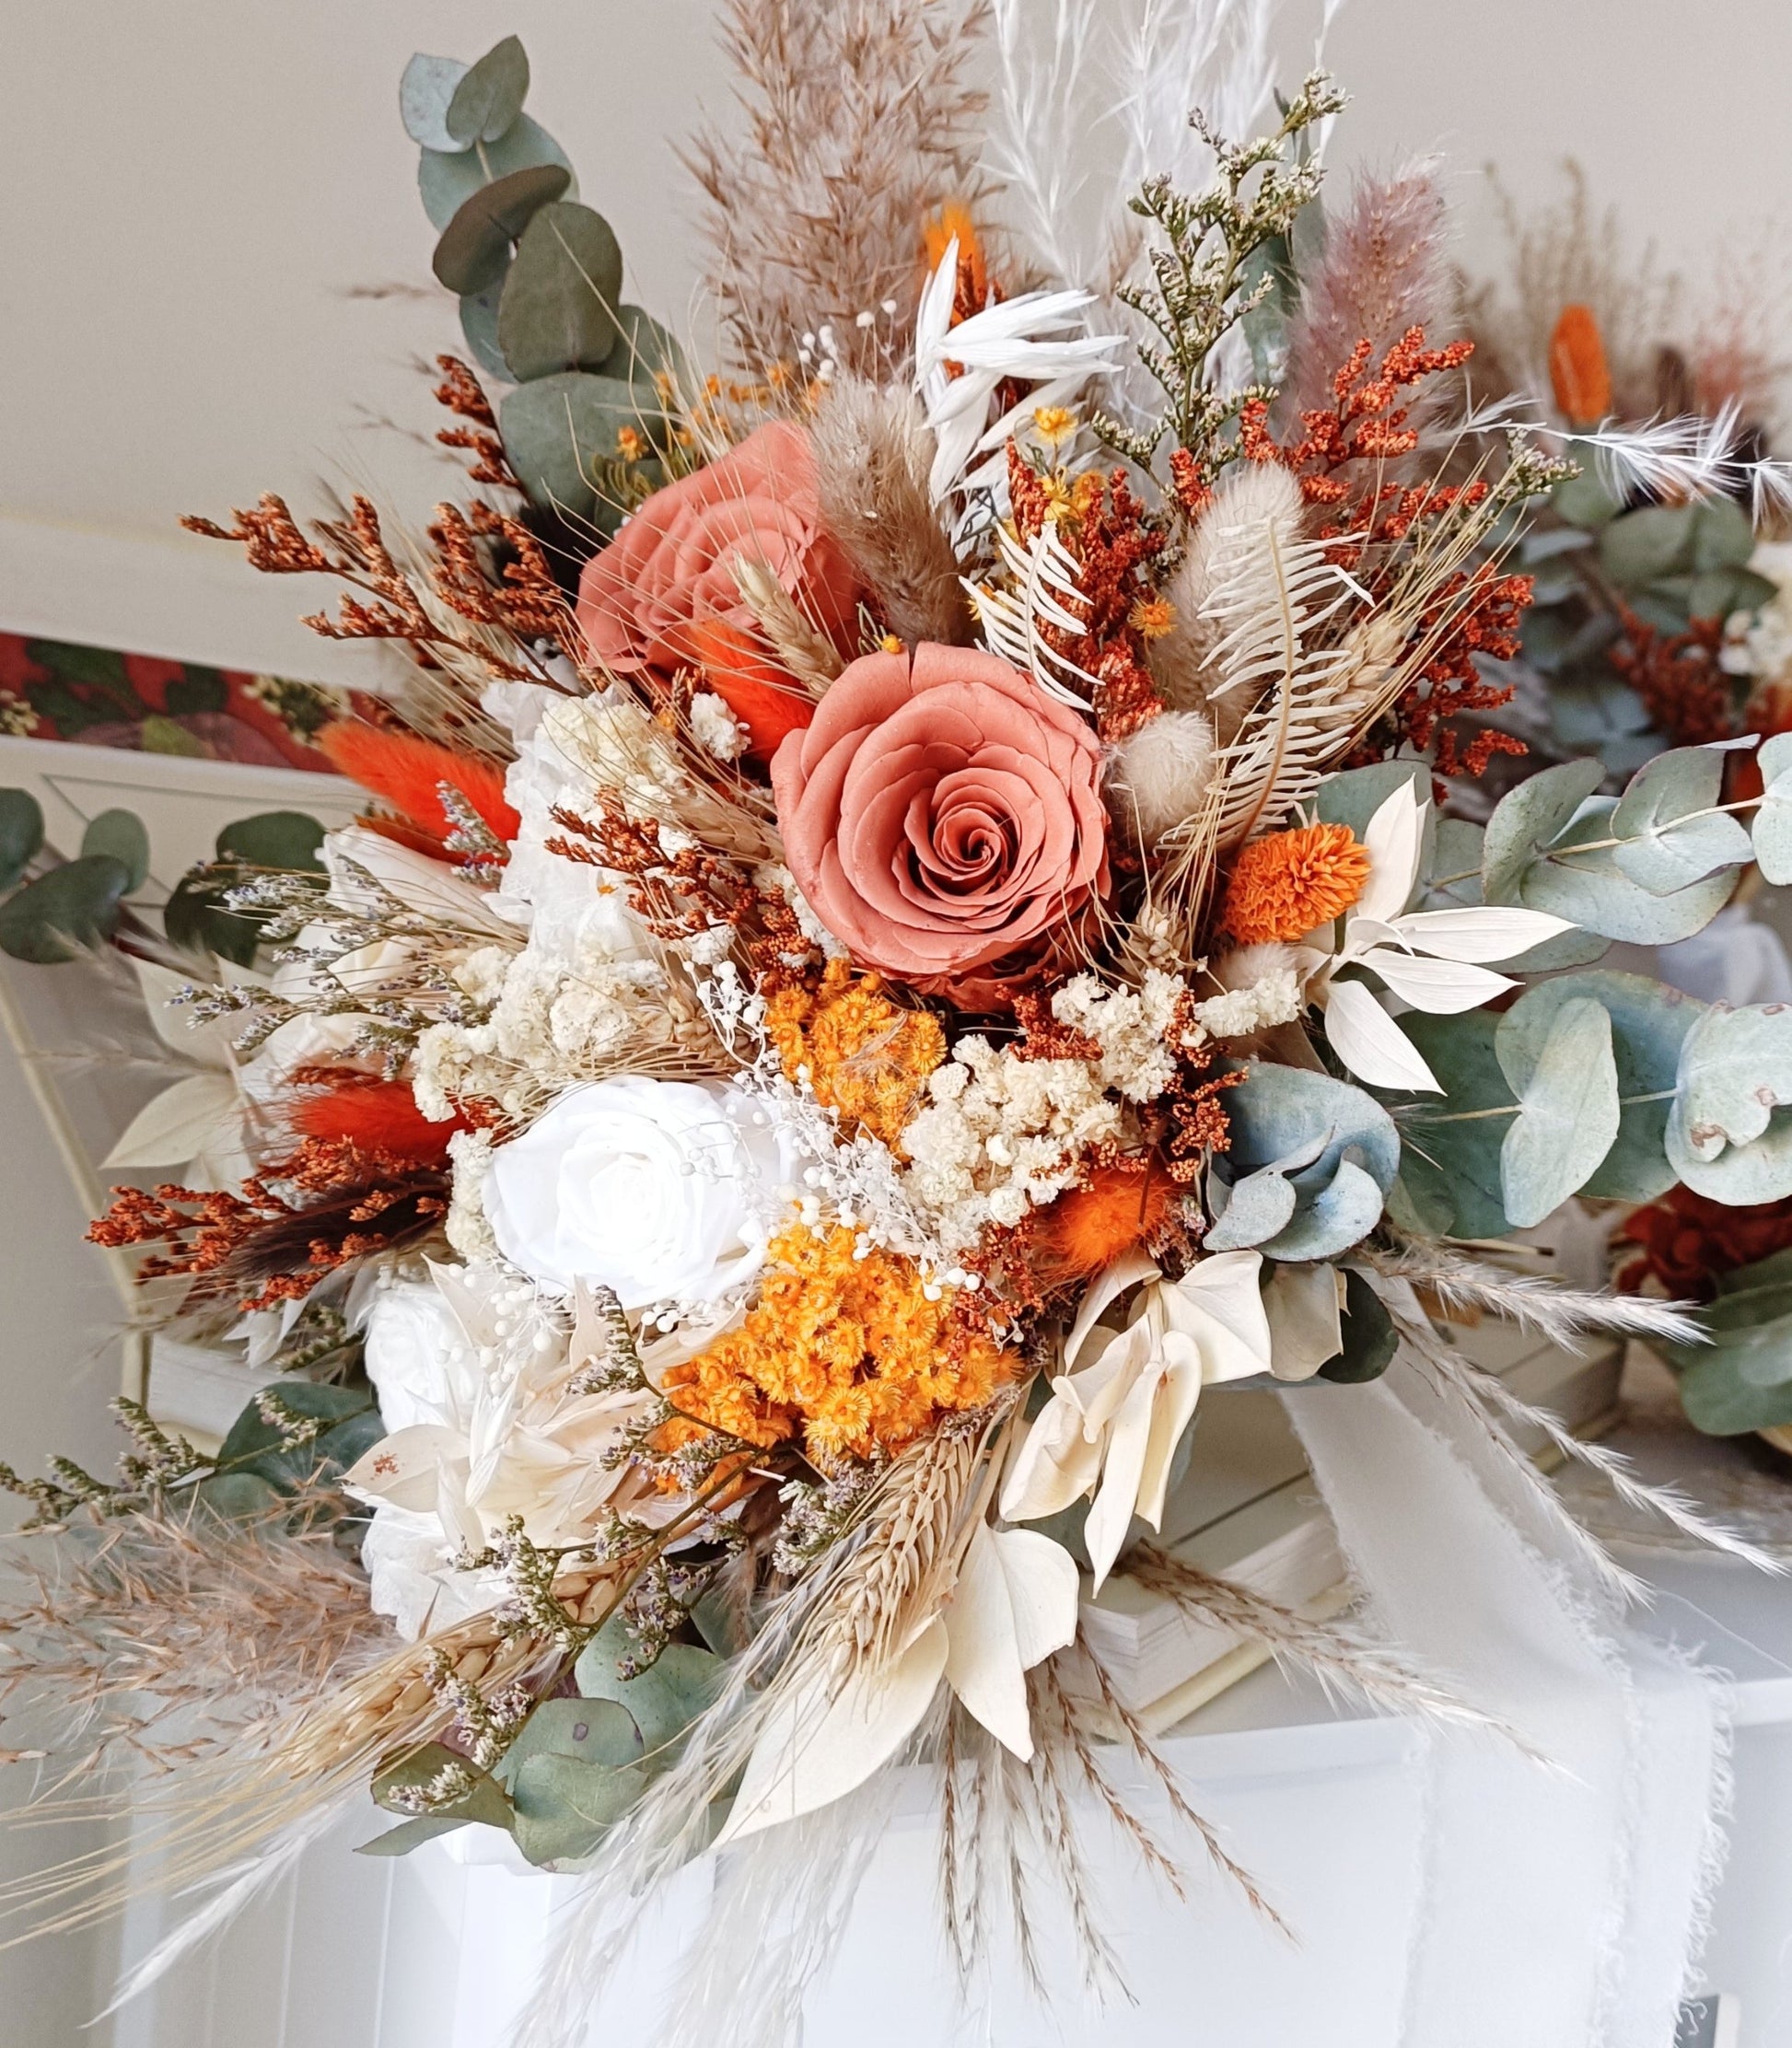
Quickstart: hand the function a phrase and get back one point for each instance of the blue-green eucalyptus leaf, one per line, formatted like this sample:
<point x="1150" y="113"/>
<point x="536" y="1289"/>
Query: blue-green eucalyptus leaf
<point x="484" y="1802"/>
<point x="563" y="1809"/>
<point x="1773" y="820"/>
<point x="1256" y="1208"/>
<point x="1567" y="1095"/>
<point x="446" y="182"/>
<point x="1728" y="1137"/>
<point x="1340" y="1214"/>
<point x="682" y="1683"/>
<point x="558" y="312"/>
<point x="590" y="1730"/>
<point x="411" y="1835"/>
<point x="1353" y="798"/>
<point x="1673" y="836"/>
<point x="1723" y="535"/>
<point x="478" y="324"/>
<point x="423" y="93"/>
<point x="1370" y="1339"/>
<point x="1644" y="546"/>
<point x="557" y="429"/>
<point x="63" y="912"/>
<point x="490" y="97"/>
<point x="1449" y="1171"/>
<point x="475" y="245"/>
<point x="1526" y="820"/>
<point x="21" y="834"/>
<point x="1591" y="889"/>
<point x="1649" y="1023"/>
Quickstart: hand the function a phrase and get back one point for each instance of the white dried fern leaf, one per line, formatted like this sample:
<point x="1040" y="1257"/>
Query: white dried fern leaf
<point x="1272" y="591"/>
<point x="1042" y="587"/>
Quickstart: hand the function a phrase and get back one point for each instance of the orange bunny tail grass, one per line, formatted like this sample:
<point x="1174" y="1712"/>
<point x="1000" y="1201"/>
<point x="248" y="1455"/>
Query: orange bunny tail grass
<point x="408" y="772"/>
<point x="1288" y="882"/>
<point x="764" y="696"/>
<point x="373" y="1116"/>
<point x="1577" y="369"/>
<point x="1118" y="1207"/>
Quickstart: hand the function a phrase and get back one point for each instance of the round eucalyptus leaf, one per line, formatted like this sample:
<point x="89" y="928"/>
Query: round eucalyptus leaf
<point x="1450" y="1177"/>
<point x="1566" y="1088"/>
<point x="21" y="833"/>
<point x="645" y="353"/>
<point x="490" y="97"/>
<point x="1729" y="1136"/>
<point x="1720" y="1400"/>
<point x="1256" y="1209"/>
<point x="445" y="181"/>
<point x="559" y="299"/>
<point x="1673" y="836"/>
<point x="475" y="245"/>
<point x="1592" y="891"/>
<point x="478" y="324"/>
<point x="63" y="912"/>
<point x="1584" y="500"/>
<point x="591" y="1731"/>
<point x="283" y="839"/>
<point x="121" y="833"/>
<point x="557" y="429"/>
<point x="563" y="1809"/>
<point x="1370" y="1339"/>
<point x="1528" y="819"/>
<point x="1723" y="535"/>
<point x="423" y="93"/>
<point x="663" y="1699"/>
<point x="238" y="1497"/>
<point x="195" y="921"/>
<point x="1644" y="546"/>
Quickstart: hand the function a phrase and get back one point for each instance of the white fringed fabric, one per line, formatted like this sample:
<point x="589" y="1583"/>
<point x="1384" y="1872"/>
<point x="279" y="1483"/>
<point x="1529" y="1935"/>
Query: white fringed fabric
<point x="1560" y="1908"/>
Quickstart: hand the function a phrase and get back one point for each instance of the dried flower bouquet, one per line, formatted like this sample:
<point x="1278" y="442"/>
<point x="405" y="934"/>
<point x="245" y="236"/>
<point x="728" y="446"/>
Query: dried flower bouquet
<point x="905" y="934"/>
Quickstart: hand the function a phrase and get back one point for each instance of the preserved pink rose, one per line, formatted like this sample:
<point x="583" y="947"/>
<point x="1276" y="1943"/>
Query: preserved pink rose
<point x="670" y="567"/>
<point x="943" y="817"/>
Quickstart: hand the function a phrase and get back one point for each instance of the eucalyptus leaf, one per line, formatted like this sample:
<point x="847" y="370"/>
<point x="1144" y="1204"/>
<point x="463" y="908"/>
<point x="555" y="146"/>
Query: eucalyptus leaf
<point x="1370" y="1339"/>
<point x="682" y="1683"/>
<point x="1773" y="820"/>
<point x="1567" y="1095"/>
<point x="21" y="834"/>
<point x="645" y="352"/>
<point x="484" y="1803"/>
<point x="591" y="1731"/>
<point x="1673" y="836"/>
<point x="478" y="324"/>
<point x="1721" y="1403"/>
<point x="1723" y="535"/>
<point x="1727" y="1136"/>
<point x="1256" y="1209"/>
<point x="238" y="1497"/>
<point x="65" y="912"/>
<point x="121" y="834"/>
<point x="1526" y="820"/>
<point x="411" y="1835"/>
<point x="475" y="245"/>
<point x="1277" y="1111"/>
<point x="1449" y="1170"/>
<point x="196" y="921"/>
<point x="1591" y="889"/>
<point x="1340" y="1214"/>
<point x="1585" y="500"/>
<point x="559" y="307"/>
<point x="348" y="1423"/>
<point x="1353" y="798"/>
<point x="563" y="1809"/>
<point x="423" y="93"/>
<point x="445" y="181"/>
<point x="557" y="429"/>
<point x="1649" y="1023"/>
<point x="288" y="839"/>
<point x="1644" y="545"/>
<point x="490" y="97"/>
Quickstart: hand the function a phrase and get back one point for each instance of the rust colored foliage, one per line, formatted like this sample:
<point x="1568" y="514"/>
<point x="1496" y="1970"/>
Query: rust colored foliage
<point x="1677" y="676"/>
<point x="379" y="1118"/>
<point x="1113" y="540"/>
<point x="1687" y="1241"/>
<point x="1189" y="1121"/>
<point x="461" y="393"/>
<point x="408" y="771"/>
<point x="340" y="1202"/>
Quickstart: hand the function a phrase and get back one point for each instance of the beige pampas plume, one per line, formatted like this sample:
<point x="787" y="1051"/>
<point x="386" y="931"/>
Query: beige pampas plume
<point x="1384" y="271"/>
<point x="1255" y="496"/>
<point x="858" y="119"/>
<point x="1160" y="774"/>
<point x="873" y="451"/>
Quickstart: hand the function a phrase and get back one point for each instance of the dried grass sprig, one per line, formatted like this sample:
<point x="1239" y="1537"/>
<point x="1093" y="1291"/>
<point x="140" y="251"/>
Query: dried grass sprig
<point x="1535" y="1302"/>
<point x="858" y="117"/>
<point x="873" y="454"/>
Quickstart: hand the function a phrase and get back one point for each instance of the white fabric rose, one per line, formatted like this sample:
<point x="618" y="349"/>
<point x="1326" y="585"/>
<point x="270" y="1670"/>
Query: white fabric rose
<point x="665" y="1191"/>
<point x="417" y="1355"/>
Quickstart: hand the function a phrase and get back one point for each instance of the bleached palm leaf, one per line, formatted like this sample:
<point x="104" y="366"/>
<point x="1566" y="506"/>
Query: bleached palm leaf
<point x="1040" y="590"/>
<point x="1271" y="592"/>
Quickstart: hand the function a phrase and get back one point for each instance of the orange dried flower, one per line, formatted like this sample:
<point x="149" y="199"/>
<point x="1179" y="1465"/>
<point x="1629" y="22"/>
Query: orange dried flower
<point x="867" y="1058"/>
<point x="848" y="1351"/>
<point x="1287" y="882"/>
<point x="1577" y="369"/>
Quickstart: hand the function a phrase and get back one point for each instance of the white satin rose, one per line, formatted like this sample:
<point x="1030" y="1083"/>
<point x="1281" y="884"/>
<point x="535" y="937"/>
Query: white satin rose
<point x="423" y="1367"/>
<point x="663" y="1191"/>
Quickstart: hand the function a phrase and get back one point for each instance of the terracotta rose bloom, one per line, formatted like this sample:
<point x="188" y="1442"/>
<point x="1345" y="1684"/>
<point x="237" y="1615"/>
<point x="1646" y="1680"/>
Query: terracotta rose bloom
<point x="942" y="815"/>
<point x="670" y="568"/>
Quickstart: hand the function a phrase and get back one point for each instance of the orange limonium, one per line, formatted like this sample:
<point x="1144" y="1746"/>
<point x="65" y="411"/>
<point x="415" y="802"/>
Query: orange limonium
<point x="1286" y="883"/>
<point x="865" y="1056"/>
<point x="847" y="1353"/>
<point x="1577" y="369"/>
<point x="953" y="222"/>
